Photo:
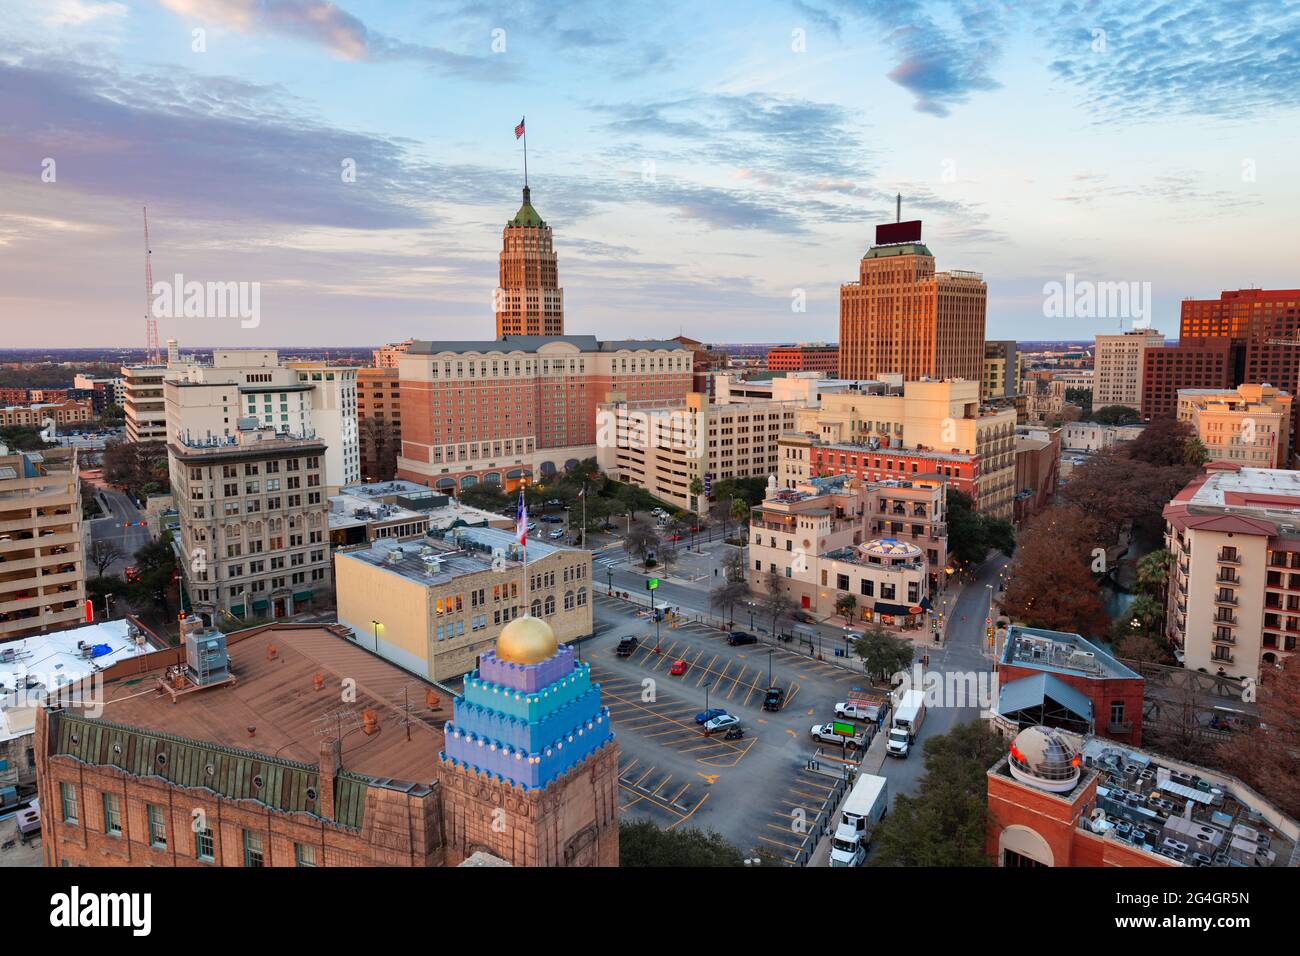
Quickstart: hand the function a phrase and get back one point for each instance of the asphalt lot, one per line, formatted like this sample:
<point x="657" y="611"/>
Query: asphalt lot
<point x="758" y="792"/>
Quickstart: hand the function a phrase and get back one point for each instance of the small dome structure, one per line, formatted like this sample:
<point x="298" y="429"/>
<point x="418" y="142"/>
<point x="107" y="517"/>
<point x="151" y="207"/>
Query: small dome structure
<point x="526" y="640"/>
<point x="1042" y="757"/>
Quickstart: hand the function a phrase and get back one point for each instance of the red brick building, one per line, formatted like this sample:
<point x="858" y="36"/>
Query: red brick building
<point x="529" y="300"/>
<point x="960" y="470"/>
<point x="804" y="358"/>
<point x="304" y="750"/>
<point x="1193" y="363"/>
<point x="379" y="421"/>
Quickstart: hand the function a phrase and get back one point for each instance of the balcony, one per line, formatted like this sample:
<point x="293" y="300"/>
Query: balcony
<point x="1227" y="577"/>
<point x="1223" y="639"/>
<point x="1218" y="658"/>
<point x="1226" y="600"/>
<point x="1119" y="727"/>
<point x="1229" y="557"/>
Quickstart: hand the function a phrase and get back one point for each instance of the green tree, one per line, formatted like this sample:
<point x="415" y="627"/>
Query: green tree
<point x="883" y="654"/>
<point x="1117" y="415"/>
<point x="1153" y="571"/>
<point x="642" y="843"/>
<point x="739" y="510"/>
<point x="156" y="564"/>
<point x="945" y="823"/>
<point x="697" y="491"/>
<point x="845" y="605"/>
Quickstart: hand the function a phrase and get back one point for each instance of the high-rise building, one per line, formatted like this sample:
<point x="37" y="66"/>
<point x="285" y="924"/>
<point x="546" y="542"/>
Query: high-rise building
<point x="1001" y="369"/>
<point x="1247" y="426"/>
<point x="1192" y="363"/>
<point x="145" y="408"/>
<point x="902" y="317"/>
<point x="521" y="407"/>
<point x="529" y="300"/>
<point x="379" y="421"/>
<point x="1234" y="592"/>
<point x="205" y="401"/>
<point x="253" y="519"/>
<point x="1119" y="365"/>
<point x="1264" y="328"/>
<point x="387" y="356"/>
<point x="805" y="357"/>
<point x="42" y="565"/>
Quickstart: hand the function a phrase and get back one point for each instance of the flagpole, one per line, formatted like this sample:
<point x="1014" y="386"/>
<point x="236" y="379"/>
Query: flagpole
<point x="524" y="123"/>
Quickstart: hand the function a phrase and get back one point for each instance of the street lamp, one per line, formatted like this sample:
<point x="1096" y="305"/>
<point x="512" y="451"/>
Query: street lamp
<point x="377" y="625"/>
<point x="769" y="666"/>
<point x="707" y="685"/>
<point x="609" y="580"/>
<point x="107" y="613"/>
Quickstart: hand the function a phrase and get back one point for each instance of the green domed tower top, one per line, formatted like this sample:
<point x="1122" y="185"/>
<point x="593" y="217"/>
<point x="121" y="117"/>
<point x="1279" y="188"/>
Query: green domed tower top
<point x="527" y="215"/>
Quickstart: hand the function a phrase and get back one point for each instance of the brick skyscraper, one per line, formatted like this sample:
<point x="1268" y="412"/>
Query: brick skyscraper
<point x="903" y="317"/>
<point x="529" y="300"/>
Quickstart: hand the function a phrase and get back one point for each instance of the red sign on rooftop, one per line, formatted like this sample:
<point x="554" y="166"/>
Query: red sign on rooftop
<point x="895" y="232"/>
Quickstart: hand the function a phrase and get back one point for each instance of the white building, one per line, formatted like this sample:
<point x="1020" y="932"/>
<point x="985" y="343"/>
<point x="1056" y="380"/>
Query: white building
<point x="1118" y="367"/>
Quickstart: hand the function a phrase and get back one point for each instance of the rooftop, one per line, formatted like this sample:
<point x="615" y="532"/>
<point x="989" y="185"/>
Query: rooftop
<point x="274" y="708"/>
<point x="462" y="551"/>
<point x="531" y="343"/>
<point x="1060" y="652"/>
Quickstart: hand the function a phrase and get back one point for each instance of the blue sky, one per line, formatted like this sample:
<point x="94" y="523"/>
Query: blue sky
<point x="699" y="162"/>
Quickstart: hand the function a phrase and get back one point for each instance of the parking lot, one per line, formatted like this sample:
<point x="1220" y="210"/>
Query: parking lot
<point x="764" y="791"/>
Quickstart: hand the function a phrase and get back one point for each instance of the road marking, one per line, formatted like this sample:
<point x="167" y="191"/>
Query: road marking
<point x="710" y="778"/>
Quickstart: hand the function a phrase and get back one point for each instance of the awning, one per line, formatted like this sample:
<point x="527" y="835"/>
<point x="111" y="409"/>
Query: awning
<point x="896" y="610"/>
<point x="237" y="610"/>
<point x="302" y="595"/>
<point x="261" y="605"/>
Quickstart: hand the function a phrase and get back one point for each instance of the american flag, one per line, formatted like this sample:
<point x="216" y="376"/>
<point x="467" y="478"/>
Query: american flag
<point x="519" y="130"/>
<point x="521" y="520"/>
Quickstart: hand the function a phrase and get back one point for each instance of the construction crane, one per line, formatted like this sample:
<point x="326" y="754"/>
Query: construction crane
<point x="150" y="323"/>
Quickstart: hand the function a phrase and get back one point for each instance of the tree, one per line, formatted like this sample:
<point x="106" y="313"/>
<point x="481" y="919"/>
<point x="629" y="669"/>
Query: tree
<point x="1141" y="649"/>
<point x="156" y="564"/>
<point x="726" y="596"/>
<point x="697" y="490"/>
<point x="667" y="555"/>
<point x="639" y="541"/>
<point x="845" y="605"/>
<point x="1164" y="441"/>
<point x="883" y="654"/>
<point x="1267" y="755"/>
<point x="1051" y="582"/>
<point x="135" y="466"/>
<point x="1081" y="397"/>
<point x="775" y="600"/>
<point x="739" y="510"/>
<point x="21" y="438"/>
<point x="487" y="497"/>
<point x="634" y="498"/>
<point x="946" y="822"/>
<point x="971" y="536"/>
<point x="642" y="843"/>
<point x="103" y="553"/>
<point x="1117" y="415"/>
<point x="383" y="439"/>
<point x="1153" y="571"/>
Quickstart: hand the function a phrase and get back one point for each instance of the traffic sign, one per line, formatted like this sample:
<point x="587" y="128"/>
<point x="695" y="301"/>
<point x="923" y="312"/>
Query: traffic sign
<point x="651" y="584"/>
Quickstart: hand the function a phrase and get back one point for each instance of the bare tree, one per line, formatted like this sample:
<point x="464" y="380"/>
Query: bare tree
<point x="776" y="600"/>
<point x="102" y="554"/>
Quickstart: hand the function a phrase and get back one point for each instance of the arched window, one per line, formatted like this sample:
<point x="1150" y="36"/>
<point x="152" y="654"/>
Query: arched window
<point x="536" y="609"/>
<point x="582" y="597"/>
<point x="568" y="600"/>
<point x="550" y="605"/>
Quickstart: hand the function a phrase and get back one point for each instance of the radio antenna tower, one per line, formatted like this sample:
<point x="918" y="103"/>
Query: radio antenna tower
<point x="150" y="323"/>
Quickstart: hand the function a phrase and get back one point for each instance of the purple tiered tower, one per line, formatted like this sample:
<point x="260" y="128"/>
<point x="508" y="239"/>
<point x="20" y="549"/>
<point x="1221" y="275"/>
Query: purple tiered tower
<point x="527" y="724"/>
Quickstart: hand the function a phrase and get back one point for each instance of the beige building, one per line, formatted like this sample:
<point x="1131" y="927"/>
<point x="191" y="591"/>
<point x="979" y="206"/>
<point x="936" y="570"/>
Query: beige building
<point x="1001" y="369"/>
<point x="929" y="416"/>
<point x="145" y="406"/>
<point x="885" y="543"/>
<point x="665" y="448"/>
<point x="1248" y="426"/>
<point x="253" y="519"/>
<point x="42" y="561"/>
<point x="1117" y="378"/>
<point x="1234" y="593"/>
<point x="433" y="607"/>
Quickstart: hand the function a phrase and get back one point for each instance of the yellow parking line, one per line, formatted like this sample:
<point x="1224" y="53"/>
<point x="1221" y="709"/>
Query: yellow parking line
<point x="649" y="771"/>
<point x="688" y="815"/>
<point x="705" y="672"/>
<point x="666" y="781"/>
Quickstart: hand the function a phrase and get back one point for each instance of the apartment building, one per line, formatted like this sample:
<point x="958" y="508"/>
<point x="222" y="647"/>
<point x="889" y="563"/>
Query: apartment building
<point x="34" y="416"/>
<point x="433" y="607"/>
<point x="1119" y="366"/>
<point x="805" y="357"/>
<point x="209" y="401"/>
<point x="113" y="389"/>
<point x="1248" y="425"/>
<point x="521" y="407"/>
<point x="42" y="558"/>
<point x="665" y="448"/>
<point x="1234" y="593"/>
<point x="884" y="543"/>
<point x="903" y="317"/>
<point x="940" y="417"/>
<point x="379" y="421"/>
<point x="253" y="519"/>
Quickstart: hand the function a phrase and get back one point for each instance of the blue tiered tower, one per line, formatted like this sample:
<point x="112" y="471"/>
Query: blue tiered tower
<point x="530" y="713"/>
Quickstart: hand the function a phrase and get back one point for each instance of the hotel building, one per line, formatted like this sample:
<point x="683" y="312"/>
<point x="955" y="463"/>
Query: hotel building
<point x="1248" y="425"/>
<point x="523" y="407"/>
<point x="1119" y="366"/>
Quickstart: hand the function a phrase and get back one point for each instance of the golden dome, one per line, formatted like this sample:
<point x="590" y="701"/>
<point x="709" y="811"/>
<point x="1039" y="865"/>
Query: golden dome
<point x="526" y="640"/>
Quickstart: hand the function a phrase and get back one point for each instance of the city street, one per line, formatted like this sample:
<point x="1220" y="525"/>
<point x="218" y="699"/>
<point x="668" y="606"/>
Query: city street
<point x="121" y="511"/>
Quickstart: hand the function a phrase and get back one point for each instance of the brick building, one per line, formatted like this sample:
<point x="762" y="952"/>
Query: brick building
<point x="65" y="412"/>
<point x="1192" y="363"/>
<point x="529" y="300"/>
<point x="804" y="358"/>
<point x="379" y="421"/>
<point x="292" y="746"/>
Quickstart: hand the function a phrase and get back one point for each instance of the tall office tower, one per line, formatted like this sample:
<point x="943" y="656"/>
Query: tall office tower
<point x="529" y="300"/>
<point x="902" y="317"/>
<point x="1001" y="369"/>
<point x="1264" y="328"/>
<point x="1117" y="378"/>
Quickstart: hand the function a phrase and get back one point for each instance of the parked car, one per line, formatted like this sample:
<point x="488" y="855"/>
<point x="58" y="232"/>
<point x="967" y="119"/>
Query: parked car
<point x="736" y="638"/>
<point x="556" y="534"/>
<point x="678" y="668"/>
<point x="552" y="519"/>
<point x="774" y="698"/>
<point x="723" y="722"/>
<point x="627" y="647"/>
<point x="704" y="716"/>
<point x="803" y="617"/>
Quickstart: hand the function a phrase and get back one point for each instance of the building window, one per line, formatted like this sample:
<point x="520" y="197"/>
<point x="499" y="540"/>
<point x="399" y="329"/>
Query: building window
<point x="204" y="847"/>
<point x="112" y="814"/>
<point x="68" y="797"/>
<point x="253" y="849"/>
<point x="304" y="855"/>
<point x="157" y="827"/>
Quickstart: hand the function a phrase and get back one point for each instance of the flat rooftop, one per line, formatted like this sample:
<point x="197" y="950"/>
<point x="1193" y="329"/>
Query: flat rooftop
<point x="1247" y="487"/>
<point x="274" y="708"/>
<point x="351" y="511"/>
<point x="1060" y="652"/>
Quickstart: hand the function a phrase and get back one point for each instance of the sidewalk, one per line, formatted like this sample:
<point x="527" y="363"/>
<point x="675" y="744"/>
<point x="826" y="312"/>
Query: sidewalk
<point x="872" y="762"/>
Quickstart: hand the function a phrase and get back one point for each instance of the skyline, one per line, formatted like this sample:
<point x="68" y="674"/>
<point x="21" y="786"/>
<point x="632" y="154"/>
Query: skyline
<point x="714" y="173"/>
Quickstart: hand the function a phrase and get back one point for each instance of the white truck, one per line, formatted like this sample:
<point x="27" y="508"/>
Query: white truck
<point x="908" y="717"/>
<point x="827" y="734"/>
<point x="867" y="803"/>
<point x="857" y="708"/>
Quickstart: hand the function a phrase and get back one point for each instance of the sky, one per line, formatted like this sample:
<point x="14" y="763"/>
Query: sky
<point x="706" y="168"/>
